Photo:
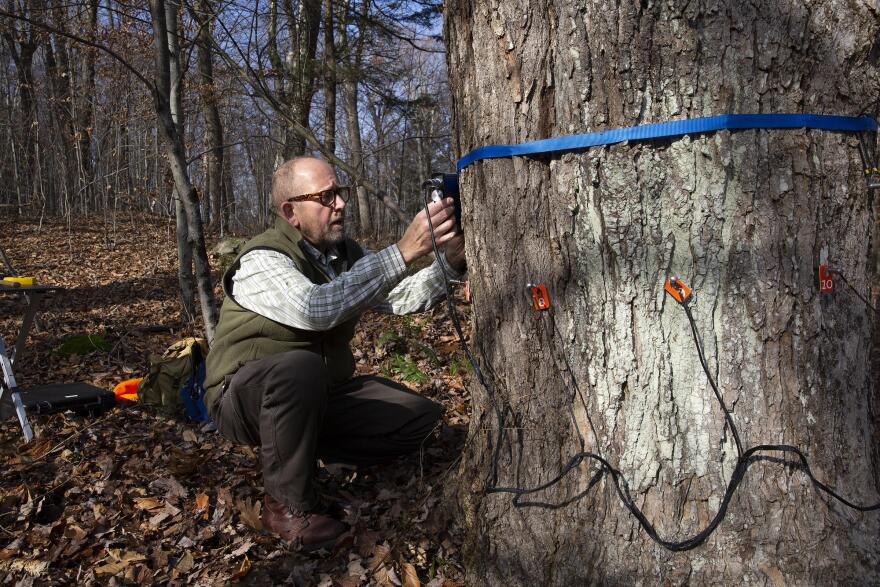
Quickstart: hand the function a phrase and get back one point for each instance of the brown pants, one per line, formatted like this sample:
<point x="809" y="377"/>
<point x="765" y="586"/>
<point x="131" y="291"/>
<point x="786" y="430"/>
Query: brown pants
<point x="285" y="405"/>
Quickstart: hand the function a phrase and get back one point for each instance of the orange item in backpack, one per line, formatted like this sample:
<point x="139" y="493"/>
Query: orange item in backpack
<point x="127" y="390"/>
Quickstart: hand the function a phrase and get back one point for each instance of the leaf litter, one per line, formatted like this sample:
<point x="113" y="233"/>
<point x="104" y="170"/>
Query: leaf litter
<point x="135" y="497"/>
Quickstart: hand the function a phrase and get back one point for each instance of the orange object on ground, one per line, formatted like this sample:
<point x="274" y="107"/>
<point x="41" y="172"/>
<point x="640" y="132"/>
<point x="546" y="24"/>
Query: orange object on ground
<point x="127" y="390"/>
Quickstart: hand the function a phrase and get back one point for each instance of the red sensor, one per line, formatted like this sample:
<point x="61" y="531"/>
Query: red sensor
<point x="540" y="299"/>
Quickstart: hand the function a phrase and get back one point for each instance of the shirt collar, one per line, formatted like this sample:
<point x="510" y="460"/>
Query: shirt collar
<point x="323" y="258"/>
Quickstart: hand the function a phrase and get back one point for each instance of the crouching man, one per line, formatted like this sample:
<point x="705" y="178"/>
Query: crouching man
<point x="279" y="374"/>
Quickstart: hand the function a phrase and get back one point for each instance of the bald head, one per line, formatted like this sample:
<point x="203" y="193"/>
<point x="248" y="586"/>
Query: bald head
<point x="302" y="175"/>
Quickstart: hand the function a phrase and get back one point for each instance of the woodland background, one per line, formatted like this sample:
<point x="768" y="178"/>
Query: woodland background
<point x="88" y="201"/>
<point x="365" y="78"/>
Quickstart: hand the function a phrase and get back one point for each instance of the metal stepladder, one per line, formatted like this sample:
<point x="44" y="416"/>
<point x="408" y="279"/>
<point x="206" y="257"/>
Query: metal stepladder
<point x="11" y="387"/>
<point x="8" y="384"/>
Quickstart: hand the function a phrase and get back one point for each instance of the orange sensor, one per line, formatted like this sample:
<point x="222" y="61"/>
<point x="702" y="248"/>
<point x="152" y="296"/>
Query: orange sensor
<point x="677" y="289"/>
<point x="540" y="299"/>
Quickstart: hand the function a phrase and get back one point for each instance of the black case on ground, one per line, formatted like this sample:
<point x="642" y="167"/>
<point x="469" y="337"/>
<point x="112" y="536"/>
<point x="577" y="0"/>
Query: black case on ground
<point x="81" y="398"/>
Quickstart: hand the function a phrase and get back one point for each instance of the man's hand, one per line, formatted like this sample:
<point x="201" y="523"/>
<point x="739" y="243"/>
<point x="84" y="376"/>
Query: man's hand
<point x="455" y="252"/>
<point x="416" y="241"/>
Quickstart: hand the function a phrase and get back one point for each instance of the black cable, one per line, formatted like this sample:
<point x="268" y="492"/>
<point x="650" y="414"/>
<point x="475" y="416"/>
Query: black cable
<point x="745" y="458"/>
<point x="727" y="416"/>
<point x="855" y="291"/>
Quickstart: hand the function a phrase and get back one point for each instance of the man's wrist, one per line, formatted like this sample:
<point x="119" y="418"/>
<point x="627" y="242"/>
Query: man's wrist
<point x="392" y="262"/>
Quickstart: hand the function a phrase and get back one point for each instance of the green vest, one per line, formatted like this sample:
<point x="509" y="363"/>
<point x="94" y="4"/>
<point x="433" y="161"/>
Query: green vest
<point x="244" y="336"/>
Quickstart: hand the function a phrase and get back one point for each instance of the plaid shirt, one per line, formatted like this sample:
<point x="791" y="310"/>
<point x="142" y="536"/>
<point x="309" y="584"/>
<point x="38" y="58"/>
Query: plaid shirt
<point x="268" y="283"/>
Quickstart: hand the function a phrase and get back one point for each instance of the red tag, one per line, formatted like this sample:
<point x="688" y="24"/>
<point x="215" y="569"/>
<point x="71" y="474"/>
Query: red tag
<point x="826" y="279"/>
<point x="540" y="299"/>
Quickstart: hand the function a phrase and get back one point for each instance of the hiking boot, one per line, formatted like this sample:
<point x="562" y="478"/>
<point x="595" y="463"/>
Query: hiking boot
<point x="306" y="531"/>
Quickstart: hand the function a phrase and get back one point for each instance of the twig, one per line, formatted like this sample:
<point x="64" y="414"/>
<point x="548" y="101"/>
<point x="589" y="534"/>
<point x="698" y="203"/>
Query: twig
<point x="65" y="441"/>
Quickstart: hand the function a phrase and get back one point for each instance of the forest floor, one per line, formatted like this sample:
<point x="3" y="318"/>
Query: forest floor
<point x="136" y="497"/>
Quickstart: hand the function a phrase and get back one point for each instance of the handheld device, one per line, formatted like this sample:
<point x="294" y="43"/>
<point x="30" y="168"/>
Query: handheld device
<point x="444" y="185"/>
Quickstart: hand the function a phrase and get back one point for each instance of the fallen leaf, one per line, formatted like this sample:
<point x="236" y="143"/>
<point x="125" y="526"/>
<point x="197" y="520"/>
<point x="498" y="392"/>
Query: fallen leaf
<point x="171" y="510"/>
<point x="410" y="576"/>
<point x="34" y="568"/>
<point x="170" y="486"/>
<point x="112" y="568"/>
<point x="250" y="513"/>
<point x="246" y="546"/>
<point x="395" y="511"/>
<point x="11" y="549"/>
<point x="366" y="542"/>
<point x="125" y="555"/>
<point x="391" y="579"/>
<point x="356" y="569"/>
<point x="186" y="563"/>
<point x="183" y="463"/>
<point x="202" y="501"/>
<point x="38" y="448"/>
<point x="158" y="519"/>
<point x="185" y="542"/>
<point x="380" y="554"/>
<point x="148" y="503"/>
<point x="74" y="532"/>
<point x="243" y="570"/>
<point x="222" y="506"/>
<point x="348" y="581"/>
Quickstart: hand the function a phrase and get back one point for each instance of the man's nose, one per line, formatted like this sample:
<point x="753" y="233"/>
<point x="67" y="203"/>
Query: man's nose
<point x="338" y="202"/>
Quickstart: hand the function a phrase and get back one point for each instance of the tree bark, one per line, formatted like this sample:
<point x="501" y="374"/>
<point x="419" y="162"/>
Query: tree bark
<point x="353" y="123"/>
<point x="741" y="216"/>
<point x="85" y="113"/>
<point x="329" y="77"/>
<point x="185" y="278"/>
<point x="204" y="15"/>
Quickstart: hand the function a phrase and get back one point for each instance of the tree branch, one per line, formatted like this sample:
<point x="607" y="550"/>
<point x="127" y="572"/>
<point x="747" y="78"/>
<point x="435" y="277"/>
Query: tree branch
<point x="83" y="41"/>
<point x="247" y="74"/>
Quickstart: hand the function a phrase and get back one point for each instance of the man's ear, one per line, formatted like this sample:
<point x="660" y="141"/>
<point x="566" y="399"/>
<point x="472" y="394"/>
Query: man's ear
<point x="289" y="214"/>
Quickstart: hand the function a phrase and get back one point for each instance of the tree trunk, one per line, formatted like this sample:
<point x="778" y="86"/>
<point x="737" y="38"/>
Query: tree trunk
<point x="85" y="119"/>
<point x="203" y="13"/>
<point x="296" y="70"/>
<point x="353" y="124"/>
<point x="743" y="217"/>
<point x="184" y="262"/>
<point x="22" y="45"/>
<point x="168" y="110"/>
<point x="329" y="77"/>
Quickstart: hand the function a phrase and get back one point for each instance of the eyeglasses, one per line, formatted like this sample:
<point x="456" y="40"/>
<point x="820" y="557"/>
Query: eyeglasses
<point x="327" y="197"/>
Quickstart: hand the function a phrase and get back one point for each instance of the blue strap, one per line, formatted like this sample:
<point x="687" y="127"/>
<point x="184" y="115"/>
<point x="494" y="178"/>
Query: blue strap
<point x="674" y="128"/>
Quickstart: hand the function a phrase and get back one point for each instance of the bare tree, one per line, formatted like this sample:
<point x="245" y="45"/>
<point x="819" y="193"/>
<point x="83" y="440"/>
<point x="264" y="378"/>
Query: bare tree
<point x="329" y="61"/>
<point x="294" y="71"/>
<point x="22" y="38"/>
<point x="167" y="96"/>
<point x="203" y="14"/>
